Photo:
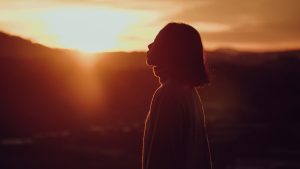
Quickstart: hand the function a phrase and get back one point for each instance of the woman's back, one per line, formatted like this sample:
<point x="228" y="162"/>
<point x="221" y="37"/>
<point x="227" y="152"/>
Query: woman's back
<point x="175" y="134"/>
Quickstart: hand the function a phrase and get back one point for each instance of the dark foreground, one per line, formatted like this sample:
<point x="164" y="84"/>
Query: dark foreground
<point x="236" y="147"/>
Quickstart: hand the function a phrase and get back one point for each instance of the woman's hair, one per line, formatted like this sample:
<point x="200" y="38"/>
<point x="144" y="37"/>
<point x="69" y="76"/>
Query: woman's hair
<point x="178" y="48"/>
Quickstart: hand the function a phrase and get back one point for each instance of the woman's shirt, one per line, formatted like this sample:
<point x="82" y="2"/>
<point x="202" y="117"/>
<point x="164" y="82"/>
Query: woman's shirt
<point x="175" y="134"/>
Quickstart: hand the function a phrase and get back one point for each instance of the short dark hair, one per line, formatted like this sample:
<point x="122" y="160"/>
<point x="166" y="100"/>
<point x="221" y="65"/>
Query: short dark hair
<point x="180" y="49"/>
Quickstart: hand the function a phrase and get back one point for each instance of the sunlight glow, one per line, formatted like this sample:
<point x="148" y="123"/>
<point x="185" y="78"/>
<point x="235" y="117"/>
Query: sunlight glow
<point x="129" y="25"/>
<point x="211" y="27"/>
<point x="86" y="29"/>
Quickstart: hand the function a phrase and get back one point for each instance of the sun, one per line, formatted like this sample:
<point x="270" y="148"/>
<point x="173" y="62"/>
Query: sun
<point x="86" y="29"/>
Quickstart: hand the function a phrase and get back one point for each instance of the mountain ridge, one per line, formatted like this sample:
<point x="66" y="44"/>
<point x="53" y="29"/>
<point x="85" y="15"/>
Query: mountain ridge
<point x="19" y="40"/>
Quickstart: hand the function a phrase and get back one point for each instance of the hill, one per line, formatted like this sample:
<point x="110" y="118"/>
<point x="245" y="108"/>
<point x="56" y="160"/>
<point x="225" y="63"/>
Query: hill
<point x="66" y="109"/>
<point x="46" y="89"/>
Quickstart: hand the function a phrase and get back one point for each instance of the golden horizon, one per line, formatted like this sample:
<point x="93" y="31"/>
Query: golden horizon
<point x="106" y="27"/>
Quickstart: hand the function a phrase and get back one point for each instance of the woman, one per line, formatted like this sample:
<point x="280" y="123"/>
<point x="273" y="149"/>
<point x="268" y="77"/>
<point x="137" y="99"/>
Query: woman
<point x="175" y="134"/>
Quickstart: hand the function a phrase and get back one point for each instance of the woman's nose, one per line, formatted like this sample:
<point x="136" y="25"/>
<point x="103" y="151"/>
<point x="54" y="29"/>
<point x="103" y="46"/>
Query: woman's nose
<point x="150" y="45"/>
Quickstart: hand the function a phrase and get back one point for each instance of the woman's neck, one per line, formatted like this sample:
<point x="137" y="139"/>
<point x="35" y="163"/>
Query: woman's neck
<point x="170" y="82"/>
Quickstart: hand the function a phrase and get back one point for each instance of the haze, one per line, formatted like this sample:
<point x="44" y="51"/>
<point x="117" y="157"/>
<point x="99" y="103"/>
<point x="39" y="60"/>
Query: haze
<point x="107" y="25"/>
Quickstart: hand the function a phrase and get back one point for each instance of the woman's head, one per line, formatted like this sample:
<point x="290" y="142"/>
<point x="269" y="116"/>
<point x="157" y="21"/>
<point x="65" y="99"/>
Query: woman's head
<point x="177" y="55"/>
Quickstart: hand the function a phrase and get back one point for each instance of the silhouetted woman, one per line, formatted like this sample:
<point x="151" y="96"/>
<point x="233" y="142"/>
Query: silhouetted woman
<point x="175" y="134"/>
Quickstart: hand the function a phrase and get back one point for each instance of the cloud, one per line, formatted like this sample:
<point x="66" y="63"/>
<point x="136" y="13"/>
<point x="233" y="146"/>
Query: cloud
<point x="229" y="11"/>
<point x="219" y="21"/>
<point x="257" y="21"/>
<point x="124" y="4"/>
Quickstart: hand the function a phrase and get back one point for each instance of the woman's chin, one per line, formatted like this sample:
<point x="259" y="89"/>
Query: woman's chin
<point x="162" y="75"/>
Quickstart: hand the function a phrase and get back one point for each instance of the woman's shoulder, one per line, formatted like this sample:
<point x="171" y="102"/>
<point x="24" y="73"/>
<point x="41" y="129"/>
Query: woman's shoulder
<point x="174" y="92"/>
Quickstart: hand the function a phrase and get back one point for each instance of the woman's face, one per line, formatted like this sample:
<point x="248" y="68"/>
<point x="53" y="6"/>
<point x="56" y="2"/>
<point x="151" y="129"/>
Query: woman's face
<point x="154" y="58"/>
<point x="150" y="54"/>
<point x="156" y="51"/>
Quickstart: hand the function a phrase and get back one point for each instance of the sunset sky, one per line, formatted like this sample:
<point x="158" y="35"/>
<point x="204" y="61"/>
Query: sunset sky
<point x="127" y="25"/>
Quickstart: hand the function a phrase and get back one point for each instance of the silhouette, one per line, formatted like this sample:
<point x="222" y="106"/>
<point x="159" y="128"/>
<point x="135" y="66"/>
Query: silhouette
<point x="175" y="134"/>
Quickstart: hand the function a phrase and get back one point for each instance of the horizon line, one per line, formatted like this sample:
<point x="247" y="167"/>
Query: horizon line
<point x="215" y="49"/>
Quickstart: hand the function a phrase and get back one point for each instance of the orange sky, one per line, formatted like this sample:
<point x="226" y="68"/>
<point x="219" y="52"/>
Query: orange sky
<point x="109" y="25"/>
